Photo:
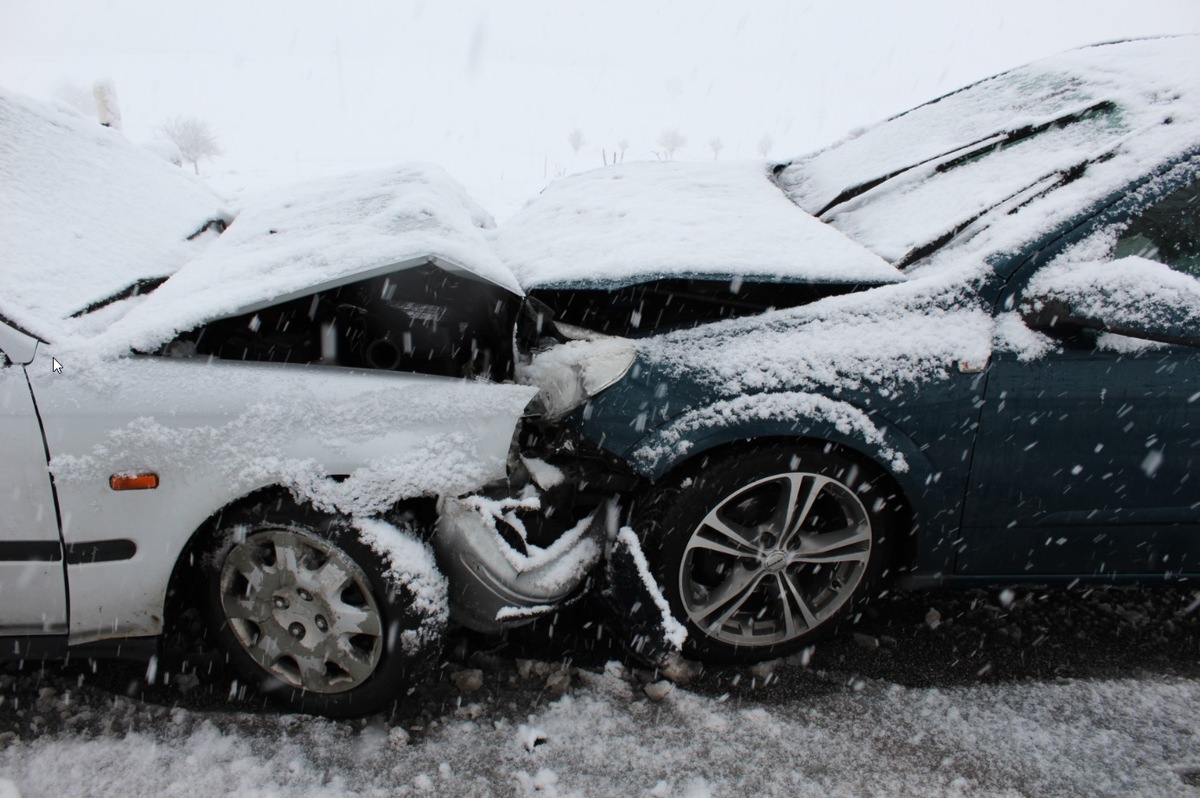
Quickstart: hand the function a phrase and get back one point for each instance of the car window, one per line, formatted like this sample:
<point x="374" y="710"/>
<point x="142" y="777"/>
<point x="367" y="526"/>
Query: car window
<point x="1168" y="232"/>
<point x="421" y="319"/>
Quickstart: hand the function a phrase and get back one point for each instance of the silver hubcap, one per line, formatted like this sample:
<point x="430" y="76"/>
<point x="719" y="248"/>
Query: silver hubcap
<point x="302" y="610"/>
<point x="775" y="559"/>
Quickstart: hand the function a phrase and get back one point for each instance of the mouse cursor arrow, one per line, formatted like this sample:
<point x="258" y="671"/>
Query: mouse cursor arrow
<point x="55" y="366"/>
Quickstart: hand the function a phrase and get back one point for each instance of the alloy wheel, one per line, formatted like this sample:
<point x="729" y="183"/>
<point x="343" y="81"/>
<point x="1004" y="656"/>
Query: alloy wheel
<point x="775" y="559"/>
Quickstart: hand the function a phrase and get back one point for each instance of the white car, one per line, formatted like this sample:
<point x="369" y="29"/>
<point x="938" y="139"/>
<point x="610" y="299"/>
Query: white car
<point x="255" y="412"/>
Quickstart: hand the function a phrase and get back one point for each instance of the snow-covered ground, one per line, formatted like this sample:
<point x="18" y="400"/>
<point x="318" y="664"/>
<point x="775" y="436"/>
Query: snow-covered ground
<point x="1026" y="693"/>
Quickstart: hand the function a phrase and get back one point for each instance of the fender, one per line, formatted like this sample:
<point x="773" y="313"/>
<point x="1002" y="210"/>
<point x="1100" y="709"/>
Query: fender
<point x="813" y="417"/>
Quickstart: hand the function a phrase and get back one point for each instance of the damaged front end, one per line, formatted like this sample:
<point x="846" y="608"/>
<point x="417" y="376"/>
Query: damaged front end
<point x="499" y="577"/>
<point x="552" y="531"/>
<point x="523" y="547"/>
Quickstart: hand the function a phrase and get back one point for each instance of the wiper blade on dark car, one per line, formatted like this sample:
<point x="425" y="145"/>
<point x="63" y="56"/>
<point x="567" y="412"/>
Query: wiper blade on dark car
<point x="973" y="150"/>
<point x="1057" y="179"/>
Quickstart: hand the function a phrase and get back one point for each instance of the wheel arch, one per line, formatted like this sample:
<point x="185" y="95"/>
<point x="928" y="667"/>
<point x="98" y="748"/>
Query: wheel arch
<point x="895" y="459"/>
<point x="184" y="582"/>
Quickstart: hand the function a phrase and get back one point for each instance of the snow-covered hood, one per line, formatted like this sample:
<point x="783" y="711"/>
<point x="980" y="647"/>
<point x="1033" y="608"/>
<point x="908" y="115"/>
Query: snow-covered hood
<point x="645" y="221"/>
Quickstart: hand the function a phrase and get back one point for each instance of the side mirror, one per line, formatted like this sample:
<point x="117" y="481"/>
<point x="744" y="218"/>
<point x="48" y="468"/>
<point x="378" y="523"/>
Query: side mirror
<point x="1130" y="296"/>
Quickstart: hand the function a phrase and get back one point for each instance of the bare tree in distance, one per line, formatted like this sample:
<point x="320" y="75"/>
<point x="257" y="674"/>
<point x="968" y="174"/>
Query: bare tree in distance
<point x="716" y="145"/>
<point x="575" y="139"/>
<point x="193" y="138"/>
<point x="671" y="140"/>
<point x="622" y="145"/>
<point x="765" y="144"/>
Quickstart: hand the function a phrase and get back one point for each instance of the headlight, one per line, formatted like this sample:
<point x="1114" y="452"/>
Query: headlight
<point x="570" y="373"/>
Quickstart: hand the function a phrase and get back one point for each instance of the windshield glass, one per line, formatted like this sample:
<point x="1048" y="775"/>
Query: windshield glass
<point x="909" y="184"/>
<point x="916" y="208"/>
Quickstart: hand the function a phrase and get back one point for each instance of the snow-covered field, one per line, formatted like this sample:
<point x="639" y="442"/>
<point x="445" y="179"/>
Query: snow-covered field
<point x="1033" y="693"/>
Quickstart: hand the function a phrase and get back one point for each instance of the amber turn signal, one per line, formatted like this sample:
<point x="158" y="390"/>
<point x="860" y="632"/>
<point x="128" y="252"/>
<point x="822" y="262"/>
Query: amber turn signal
<point x="137" y="481"/>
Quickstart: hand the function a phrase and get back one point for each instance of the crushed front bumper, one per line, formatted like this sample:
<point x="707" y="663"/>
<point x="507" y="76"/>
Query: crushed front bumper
<point x="497" y="578"/>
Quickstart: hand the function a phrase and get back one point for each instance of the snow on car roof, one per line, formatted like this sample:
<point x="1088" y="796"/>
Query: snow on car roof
<point x="319" y="234"/>
<point x="902" y="183"/>
<point x="85" y="213"/>
<point x="645" y="221"/>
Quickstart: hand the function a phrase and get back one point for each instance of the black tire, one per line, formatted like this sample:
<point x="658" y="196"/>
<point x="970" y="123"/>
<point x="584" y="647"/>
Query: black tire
<point x="314" y="618"/>
<point x="748" y="607"/>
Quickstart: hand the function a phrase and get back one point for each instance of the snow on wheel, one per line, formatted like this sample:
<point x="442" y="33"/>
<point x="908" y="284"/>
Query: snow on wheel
<point x="323" y="615"/>
<point x="763" y="551"/>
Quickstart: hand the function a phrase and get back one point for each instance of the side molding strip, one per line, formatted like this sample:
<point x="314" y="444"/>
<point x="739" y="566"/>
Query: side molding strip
<point x="77" y="553"/>
<point x="100" y="551"/>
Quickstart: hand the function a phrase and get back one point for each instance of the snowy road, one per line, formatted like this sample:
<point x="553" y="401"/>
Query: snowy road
<point x="1037" y="693"/>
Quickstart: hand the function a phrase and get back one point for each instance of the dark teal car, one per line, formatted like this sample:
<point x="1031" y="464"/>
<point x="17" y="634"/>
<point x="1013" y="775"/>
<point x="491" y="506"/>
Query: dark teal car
<point x="970" y="355"/>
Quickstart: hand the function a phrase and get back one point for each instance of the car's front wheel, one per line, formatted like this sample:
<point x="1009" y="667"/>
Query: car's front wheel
<point x="762" y="551"/>
<point x="316" y="619"/>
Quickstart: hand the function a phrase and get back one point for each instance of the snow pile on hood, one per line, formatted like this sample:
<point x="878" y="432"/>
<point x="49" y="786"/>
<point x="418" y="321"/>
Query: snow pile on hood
<point x="645" y="221"/>
<point x="881" y="339"/>
<point x="320" y="234"/>
<point x="84" y="213"/>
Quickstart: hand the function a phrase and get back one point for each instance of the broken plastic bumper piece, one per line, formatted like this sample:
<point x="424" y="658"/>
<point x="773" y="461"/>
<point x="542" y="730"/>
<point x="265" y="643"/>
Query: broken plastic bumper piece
<point x="498" y="579"/>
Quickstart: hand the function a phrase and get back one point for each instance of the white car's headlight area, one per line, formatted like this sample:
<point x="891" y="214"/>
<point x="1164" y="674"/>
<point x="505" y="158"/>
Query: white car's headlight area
<point x="570" y="373"/>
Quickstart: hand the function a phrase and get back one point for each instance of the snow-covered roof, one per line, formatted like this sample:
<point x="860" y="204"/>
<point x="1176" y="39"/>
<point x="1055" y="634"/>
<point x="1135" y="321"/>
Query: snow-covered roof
<point x="645" y="221"/>
<point x="84" y="213"/>
<point x="920" y="174"/>
<point x="318" y="234"/>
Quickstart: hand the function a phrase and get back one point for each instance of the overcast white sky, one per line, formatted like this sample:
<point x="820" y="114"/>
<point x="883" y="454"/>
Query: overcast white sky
<point x="492" y="90"/>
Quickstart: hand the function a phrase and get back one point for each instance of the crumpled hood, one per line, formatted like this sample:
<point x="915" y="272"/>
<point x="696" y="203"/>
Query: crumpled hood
<point x="320" y="234"/>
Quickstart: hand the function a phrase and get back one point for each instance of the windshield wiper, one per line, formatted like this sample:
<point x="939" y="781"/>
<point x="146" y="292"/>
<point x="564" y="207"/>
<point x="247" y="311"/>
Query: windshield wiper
<point x="142" y="286"/>
<point x="975" y="149"/>
<point x="1059" y="179"/>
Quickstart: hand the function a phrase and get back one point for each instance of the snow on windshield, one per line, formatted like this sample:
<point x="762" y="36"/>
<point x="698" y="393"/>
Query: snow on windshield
<point x="647" y="221"/>
<point x="917" y="208"/>
<point x="84" y="213"/>
<point x="1142" y="83"/>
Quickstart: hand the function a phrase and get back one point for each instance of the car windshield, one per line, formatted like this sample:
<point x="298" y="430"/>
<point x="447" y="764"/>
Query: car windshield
<point x="907" y="185"/>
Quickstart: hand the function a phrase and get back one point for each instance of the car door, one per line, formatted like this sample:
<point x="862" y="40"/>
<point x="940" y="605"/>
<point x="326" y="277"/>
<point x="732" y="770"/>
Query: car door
<point x="1088" y="456"/>
<point x="32" y="589"/>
